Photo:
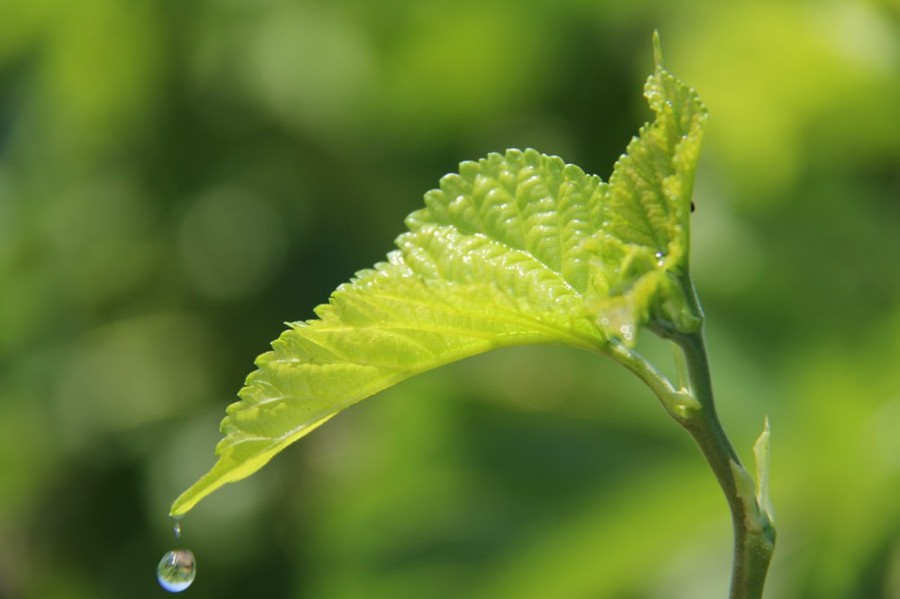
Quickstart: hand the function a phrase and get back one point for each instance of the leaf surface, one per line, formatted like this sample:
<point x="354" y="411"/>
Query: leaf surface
<point x="517" y="248"/>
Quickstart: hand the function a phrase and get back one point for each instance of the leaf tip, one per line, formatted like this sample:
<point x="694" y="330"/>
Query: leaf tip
<point x="180" y="506"/>
<point x="657" y="51"/>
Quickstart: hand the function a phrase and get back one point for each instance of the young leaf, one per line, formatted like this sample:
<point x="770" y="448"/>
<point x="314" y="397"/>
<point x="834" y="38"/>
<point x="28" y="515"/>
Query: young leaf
<point x="761" y="453"/>
<point x="518" y="248"/>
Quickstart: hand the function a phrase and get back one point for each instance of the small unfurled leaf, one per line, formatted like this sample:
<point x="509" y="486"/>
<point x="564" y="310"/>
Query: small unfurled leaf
<point x="517" y="248"/>
<point x="761" y="453"/>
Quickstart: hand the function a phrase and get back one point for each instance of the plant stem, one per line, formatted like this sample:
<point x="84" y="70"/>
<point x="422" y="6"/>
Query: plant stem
<point x="754" y="534"/>
<point x="694" y="409"/>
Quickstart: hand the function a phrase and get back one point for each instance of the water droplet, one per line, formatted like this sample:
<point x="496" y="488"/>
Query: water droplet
<point x="177" y="529"/>
<point x="176" y="570"/>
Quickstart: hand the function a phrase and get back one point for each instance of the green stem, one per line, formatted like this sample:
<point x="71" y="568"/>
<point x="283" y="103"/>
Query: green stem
<point x="754" y="534"/>
<point x="694" y="409"/>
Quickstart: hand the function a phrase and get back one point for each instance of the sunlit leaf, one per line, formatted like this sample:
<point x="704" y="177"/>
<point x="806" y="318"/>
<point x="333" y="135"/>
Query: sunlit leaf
<point x="517" y="248"/>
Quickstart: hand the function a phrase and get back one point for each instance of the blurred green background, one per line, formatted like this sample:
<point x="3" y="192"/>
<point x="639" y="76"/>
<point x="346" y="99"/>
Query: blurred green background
<point x="179" y="178"/>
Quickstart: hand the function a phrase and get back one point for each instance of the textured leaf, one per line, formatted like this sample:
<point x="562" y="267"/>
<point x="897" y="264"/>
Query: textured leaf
<point x="516" y="249"/>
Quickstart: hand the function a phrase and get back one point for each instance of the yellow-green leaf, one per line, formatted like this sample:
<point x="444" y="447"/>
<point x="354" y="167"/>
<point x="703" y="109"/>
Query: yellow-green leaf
<point x="517" y="248"/>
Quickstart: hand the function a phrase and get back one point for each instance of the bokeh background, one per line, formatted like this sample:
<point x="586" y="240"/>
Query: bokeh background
<point x="177" y="179"/>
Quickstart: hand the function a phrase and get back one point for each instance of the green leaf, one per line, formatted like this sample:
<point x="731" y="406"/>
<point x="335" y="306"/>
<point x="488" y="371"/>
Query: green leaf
<point x="518" y="248"/>
<point x="761" y="453"/>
